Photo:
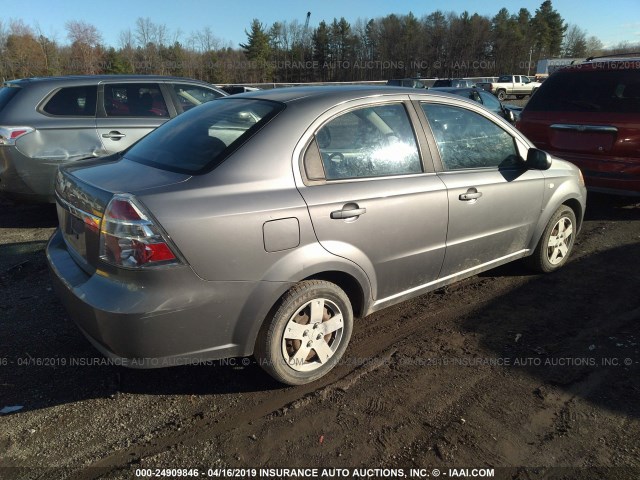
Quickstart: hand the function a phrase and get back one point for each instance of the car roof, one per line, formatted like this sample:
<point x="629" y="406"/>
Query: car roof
<point x="334" y="94"/>
<point x="456" y="90"/>
<point x="631" y="62"/>
<point x="84" y="79"/>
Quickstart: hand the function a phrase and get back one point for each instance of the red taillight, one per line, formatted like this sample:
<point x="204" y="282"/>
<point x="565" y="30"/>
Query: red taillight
<point x="122" y="210"/>
<point x="129" y="238"/>
<point x="18" y="133"/>
<point x="9" y="135"/>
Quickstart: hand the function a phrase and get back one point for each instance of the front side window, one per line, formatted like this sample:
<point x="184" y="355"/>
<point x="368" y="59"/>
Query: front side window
<point x="467" y="140"/>
<point x="73" y="102"/>
<point x="190" y="96"/>
<point x="134" y="100"/>
<point x="369" y="142"/>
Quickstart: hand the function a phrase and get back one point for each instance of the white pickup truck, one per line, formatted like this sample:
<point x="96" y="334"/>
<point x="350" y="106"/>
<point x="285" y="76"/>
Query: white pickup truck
<point x="518" y="85"/>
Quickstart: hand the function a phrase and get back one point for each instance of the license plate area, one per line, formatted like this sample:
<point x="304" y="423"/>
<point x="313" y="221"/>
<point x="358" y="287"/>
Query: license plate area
<point x="81" y="234"/>
<point x="74" y="234"/>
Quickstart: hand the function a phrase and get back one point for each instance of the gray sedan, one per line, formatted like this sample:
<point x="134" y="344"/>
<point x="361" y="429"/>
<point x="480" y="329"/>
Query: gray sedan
<point x="262" y="224"/>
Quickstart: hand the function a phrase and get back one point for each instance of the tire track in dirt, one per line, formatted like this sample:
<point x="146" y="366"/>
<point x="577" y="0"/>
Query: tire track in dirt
<point x="417" y="316"/>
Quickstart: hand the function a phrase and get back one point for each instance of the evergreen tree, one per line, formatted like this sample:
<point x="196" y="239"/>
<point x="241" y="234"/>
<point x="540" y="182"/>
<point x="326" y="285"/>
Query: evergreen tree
<point x="258" y="50"/>
<point x="548" y="30"/>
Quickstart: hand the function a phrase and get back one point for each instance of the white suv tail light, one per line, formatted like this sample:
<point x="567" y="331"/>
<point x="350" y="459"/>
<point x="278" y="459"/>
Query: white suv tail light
<point x="129" y="237"/>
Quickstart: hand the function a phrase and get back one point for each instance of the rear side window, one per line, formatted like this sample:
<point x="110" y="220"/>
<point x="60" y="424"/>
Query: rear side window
<point x="73" y="102"/>
<point x="6" y="94"/>
<point x="134" y="100"/>
<point x="200" y="139"/>
<point x="599" y="91"/>
<point x="190" y="96"/>
<point x="369" y="142"/>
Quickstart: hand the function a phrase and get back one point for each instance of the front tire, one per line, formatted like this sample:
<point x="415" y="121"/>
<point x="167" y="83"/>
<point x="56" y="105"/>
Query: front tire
<point x="556" y="243"/>
<point x="519" y="97"/>
<point x="307" y="334"/>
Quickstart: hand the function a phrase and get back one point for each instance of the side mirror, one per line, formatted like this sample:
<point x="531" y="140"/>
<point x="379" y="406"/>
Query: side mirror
<point x="509" y="115"/>
<point x="538" y="159"/>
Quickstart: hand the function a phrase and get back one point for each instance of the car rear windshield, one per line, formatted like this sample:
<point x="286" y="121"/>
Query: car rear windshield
<point x="199" y="140"/>
<point x="6" y="94"/>
<point x="607" y="91"/>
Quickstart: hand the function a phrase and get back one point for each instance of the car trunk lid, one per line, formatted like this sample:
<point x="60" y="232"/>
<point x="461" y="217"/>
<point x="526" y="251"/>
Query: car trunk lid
<point x="580" y="137"/>
<point x="83" y="191"/>
<point x="600" y="135"/>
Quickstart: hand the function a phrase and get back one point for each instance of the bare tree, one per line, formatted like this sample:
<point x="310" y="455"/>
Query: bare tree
<point x="594" y="46"/>
<point x="85" y="40"/>
<point x="49" y="49"/>
<point x="127" y="49"/>
<point x="204" y="40"/>
<point x="23" y="56"/>
<point x="575" y="42"/>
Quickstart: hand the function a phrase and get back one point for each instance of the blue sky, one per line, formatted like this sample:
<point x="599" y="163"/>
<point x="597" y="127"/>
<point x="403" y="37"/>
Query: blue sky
<point x="612" y="22"/>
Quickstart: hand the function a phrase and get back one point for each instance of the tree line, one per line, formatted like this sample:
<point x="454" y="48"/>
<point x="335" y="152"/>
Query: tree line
<point x="438" y="44"/>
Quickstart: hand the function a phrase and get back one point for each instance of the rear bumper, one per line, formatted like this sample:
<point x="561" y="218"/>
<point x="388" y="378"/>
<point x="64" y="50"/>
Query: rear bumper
<point x="605" y="175"/>
<point x="26" y="179"/>
<point x="618" y="184"/>
<point x="163" y="318"/>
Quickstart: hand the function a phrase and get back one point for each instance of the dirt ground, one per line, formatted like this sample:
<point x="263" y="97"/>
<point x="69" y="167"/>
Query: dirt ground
<point x="526" y="376"/>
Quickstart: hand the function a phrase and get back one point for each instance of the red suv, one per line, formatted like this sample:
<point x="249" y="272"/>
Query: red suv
<point x="589" y="114"/>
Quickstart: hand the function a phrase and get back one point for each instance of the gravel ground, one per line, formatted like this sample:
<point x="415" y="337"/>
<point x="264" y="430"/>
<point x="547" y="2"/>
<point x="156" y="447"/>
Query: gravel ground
<point x="535" y="376"/>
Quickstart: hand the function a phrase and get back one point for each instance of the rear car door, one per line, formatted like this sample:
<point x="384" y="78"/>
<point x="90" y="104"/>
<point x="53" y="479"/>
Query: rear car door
<point x="494" y="202"/>
<point x="128" y="111"/>
<point x="371" y="197"/>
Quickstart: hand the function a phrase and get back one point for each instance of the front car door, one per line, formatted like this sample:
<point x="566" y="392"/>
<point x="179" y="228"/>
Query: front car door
<point x="494" y="201"/>
<point x="372" y="195"/>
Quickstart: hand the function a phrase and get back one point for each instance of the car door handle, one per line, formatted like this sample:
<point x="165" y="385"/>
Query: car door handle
<point x="113" y="135"/>
<point x="347" y="212"/>
<point x="471" y="194"/>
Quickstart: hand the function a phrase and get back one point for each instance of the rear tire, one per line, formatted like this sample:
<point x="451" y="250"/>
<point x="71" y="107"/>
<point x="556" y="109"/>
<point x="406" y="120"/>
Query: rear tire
<point x="556" y="242"/>
<point x="307" y="334"/>
<point x="501" y="94"/>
